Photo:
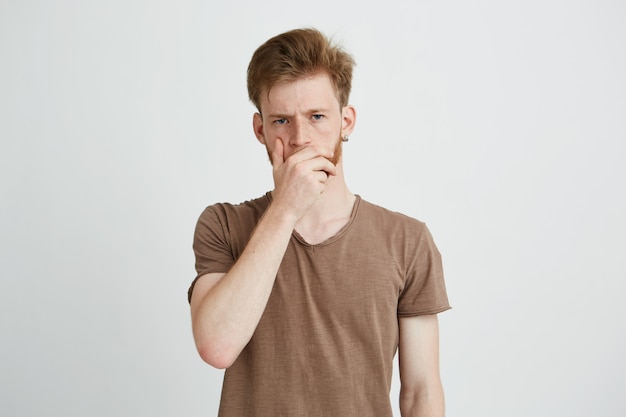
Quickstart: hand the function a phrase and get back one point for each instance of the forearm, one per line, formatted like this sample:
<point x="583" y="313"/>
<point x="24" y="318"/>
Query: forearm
<point x="424" y="402"/>
<point x="227" y="312"/>
<point x="225" y="318"/>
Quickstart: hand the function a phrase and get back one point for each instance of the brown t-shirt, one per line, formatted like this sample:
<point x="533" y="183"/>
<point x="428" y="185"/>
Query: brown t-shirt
<point x="326" y="341"/>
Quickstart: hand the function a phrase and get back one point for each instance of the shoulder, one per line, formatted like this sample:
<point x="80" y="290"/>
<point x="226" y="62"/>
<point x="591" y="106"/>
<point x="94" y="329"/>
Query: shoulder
<point x="231" y="222"/>
<point x="394" y="229"/>
<point x="388" y="219"/>
<point x="225" y="212"/>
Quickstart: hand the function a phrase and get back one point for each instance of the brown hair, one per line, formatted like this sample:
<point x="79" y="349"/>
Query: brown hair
<point x="296" y="54"/>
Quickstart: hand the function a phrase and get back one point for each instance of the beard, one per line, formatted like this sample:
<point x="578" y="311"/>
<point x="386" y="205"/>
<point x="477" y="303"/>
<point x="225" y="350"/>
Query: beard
<point x="337" y="152"/>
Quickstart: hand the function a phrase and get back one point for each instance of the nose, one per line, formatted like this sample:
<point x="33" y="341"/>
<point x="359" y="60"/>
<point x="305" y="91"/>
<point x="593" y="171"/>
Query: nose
<point x="299" y="134"/>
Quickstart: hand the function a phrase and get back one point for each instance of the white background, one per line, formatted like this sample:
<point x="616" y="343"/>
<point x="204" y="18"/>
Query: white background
<point x="502" y="124"/>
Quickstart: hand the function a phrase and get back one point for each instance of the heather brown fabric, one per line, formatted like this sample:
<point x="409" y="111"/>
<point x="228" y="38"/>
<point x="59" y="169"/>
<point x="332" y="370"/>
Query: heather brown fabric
<point x="326" y="341"/>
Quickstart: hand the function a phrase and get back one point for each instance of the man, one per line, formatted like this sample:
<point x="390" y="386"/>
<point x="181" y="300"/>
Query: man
<point x="306" y="293"/>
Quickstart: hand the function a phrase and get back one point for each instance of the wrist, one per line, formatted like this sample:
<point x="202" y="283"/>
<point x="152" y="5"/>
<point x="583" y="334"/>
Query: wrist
<point x="281" y="217"/>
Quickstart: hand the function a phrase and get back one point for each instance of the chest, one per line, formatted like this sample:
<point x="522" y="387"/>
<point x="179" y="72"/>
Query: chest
<point x="336" y="287"/>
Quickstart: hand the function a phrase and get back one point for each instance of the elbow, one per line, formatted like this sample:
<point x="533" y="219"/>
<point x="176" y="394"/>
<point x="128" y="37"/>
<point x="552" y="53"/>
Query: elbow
<point x="216" y="361"/>
<point x="218" y="358"/>
<point x="216" y="346"/>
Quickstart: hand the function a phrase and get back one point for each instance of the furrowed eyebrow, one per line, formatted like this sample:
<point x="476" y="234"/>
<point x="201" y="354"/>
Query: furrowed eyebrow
<point x="278" y="116"/>
<point x="315" y="111"/>
<point x="285" y="116"/>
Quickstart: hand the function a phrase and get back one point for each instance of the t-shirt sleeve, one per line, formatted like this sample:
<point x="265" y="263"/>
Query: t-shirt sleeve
<point x="424" y="291"/>
<point x="211" y="245"/>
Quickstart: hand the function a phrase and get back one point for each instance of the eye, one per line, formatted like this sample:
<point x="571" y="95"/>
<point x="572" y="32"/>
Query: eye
<point x="280" y="121"/>
<point x="317" y="117"/>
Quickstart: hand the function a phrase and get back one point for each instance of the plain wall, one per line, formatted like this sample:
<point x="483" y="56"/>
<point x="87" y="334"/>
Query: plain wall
<point x="501" y="124"/>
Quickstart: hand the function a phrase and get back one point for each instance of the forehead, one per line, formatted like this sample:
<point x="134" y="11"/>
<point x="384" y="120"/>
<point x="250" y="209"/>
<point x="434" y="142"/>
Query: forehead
<point x="314" y="91"/>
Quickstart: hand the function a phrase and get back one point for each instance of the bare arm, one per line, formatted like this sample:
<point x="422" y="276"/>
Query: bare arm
<point x="421" y="392"/>
<point x="226" y="308"/>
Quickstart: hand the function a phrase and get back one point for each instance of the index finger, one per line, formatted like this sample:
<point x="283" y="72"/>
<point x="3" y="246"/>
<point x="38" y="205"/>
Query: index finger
<point x="278" y="157"/>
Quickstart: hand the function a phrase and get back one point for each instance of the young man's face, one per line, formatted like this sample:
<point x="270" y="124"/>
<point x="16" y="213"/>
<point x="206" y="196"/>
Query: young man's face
<point x="304" y="113"/>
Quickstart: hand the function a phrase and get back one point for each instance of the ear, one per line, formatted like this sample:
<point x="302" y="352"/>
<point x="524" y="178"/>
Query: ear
<point x="348" y="120"/>
<point x="257" y="126"/>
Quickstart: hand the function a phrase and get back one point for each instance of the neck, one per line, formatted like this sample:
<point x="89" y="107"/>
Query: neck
<point x="330" y="213"/>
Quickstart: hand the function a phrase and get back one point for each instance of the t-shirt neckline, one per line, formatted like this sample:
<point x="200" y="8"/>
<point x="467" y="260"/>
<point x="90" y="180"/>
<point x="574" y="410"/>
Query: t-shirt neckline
<point x="336" y="236"/>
